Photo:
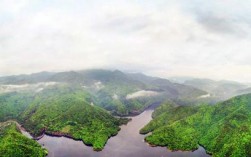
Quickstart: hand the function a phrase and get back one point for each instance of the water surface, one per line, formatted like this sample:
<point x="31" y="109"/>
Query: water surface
<point x="128" y="143"/>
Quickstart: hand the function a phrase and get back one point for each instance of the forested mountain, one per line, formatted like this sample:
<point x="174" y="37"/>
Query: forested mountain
<point x="60" y="110"/>
<point x="121" y="93"/>
<point x="223" y="129"/>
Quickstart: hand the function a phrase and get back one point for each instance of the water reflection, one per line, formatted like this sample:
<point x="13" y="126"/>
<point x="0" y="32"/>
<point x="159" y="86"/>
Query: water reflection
<point x="128" y="143"/>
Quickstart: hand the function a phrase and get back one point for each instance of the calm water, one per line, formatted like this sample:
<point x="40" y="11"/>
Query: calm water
<point x="128" y="143"/>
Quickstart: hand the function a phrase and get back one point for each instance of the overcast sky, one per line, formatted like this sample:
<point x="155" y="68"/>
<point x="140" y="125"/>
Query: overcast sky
<point x="210" y="39"/>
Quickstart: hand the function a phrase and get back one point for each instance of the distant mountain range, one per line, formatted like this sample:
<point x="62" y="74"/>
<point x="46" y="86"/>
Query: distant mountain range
<point x="220" y="90"/>
<point x="118" y="92"/>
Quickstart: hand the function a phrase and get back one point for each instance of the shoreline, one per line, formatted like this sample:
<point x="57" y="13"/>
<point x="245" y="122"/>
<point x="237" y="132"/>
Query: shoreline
<point x="60" y="134"/>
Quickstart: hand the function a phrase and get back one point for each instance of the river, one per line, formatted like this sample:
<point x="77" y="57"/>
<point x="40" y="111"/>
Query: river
<point x="128" y="143"/>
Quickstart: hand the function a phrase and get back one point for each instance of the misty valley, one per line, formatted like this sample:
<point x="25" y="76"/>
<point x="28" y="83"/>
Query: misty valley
<point x="125" y="78"/>
<point x="113" y="113"/>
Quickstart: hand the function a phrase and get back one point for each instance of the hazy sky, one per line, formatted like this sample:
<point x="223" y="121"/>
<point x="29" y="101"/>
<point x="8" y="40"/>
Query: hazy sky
<point x="158" y="37"/>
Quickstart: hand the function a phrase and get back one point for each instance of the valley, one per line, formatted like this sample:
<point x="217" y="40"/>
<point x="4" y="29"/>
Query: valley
<point x="128" y="142"/>
<point x="103" y="113"/>
<point x="119" y="78"/>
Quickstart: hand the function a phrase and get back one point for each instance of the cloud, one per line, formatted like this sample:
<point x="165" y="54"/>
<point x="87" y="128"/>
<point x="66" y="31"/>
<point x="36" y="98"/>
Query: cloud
<point x="24" y="87"/>
<point x="228" y="16"/>
<point x="162" y="38"/>
<point x="141" y="93"/>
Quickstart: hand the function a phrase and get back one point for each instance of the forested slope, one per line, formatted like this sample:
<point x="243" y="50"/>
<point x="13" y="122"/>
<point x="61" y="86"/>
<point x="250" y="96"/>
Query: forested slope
<point x="223" y="129"/>
<point x="14" y="144"/>
<point x="61" y="110"/>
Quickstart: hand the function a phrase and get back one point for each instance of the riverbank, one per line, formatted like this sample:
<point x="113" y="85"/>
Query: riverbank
<point x="128" y="142"/>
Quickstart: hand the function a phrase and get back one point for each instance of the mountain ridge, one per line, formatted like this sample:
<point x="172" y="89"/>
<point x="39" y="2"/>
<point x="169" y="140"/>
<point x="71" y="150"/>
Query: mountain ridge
<point x="109" y="89"/>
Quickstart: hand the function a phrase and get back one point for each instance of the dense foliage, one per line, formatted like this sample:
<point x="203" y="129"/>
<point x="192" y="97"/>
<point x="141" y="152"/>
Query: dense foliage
<point x="14" y="144"/>
<point x="61" y="110"/>
<point x="68" y="111"/>
<point x="12" y="104"/>
<point x="223" y="129"/>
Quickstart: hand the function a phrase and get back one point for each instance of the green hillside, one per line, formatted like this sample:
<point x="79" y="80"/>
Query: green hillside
<point x="61" y="110"/>
<point x="223" y="129"/>
<point x="68" y="111"/>
<point x="13" y="143"/>
<point x="12" y="104"/>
